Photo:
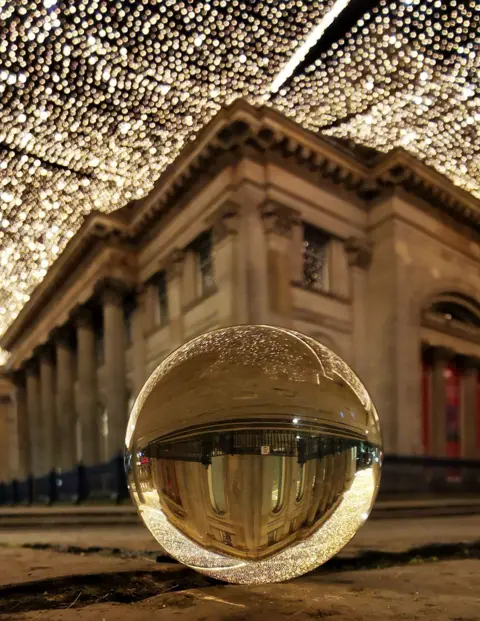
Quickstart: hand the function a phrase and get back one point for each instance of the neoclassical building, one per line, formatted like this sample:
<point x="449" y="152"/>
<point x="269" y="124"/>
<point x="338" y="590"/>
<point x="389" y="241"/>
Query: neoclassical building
<point x="257" y="221"/>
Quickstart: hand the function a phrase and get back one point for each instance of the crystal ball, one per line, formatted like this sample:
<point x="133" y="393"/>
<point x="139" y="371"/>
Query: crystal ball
<point x="253" y="454"/>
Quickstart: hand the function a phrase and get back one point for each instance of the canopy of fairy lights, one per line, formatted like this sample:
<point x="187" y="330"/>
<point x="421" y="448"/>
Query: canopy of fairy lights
<point x="97" y="97"/>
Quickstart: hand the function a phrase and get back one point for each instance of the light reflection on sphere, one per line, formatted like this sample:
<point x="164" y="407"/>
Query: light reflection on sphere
<point x="253" y="454"/>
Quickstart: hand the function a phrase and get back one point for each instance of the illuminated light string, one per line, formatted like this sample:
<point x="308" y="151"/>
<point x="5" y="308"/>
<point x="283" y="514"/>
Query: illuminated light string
<point x="97" y="98"/>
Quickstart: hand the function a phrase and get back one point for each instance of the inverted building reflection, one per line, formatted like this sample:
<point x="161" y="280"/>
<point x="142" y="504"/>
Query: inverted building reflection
<point x="248" y="493"/>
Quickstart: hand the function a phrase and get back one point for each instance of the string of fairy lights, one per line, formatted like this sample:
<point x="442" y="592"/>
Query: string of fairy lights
<point x="97" y="97"/>
<point x="407" y="76"/>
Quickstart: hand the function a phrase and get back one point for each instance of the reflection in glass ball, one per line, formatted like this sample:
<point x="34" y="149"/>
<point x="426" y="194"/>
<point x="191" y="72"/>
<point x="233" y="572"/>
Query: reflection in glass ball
<point x="253" y="454"/>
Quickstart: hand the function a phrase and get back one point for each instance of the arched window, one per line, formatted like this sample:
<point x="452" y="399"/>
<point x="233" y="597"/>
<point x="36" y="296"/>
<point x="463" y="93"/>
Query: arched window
<point x="216" y="484"/>
<point x="278" y="481"/>
<point x="300" y="481"/>
<point x="455" y="310"/>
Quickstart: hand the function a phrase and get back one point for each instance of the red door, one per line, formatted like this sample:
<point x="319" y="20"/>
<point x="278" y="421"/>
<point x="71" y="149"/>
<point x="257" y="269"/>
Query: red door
<point x="426" y="374"/>
<point x="453" y="422"/>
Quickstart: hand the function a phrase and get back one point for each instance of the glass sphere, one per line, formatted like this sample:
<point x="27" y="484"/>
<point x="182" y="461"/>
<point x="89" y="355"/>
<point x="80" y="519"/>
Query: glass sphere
<point x="253" y="454"/>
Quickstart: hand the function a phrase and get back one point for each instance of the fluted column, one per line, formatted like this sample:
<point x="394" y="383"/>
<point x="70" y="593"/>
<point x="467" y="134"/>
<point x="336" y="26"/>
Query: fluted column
<point x="47" y="404"/>
<point x="279" y="221"/>
<point x="66" y="414"/>
<point x="34" y="422"/>
<point x="359" y="253"/>
<point x="21" y="449"/>
<point x="115" y="369"/>
<point x="87" y="387"/>
<point x="469" y="431"/>
<point x="174" y="270"/>
<point x="227" y="267"/>
<point x="441" y="357"/>
<point x="138" y="341"/>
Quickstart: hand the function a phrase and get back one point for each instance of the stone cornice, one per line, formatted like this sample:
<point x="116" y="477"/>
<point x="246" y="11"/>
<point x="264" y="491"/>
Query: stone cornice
<point x="243" y="131"/>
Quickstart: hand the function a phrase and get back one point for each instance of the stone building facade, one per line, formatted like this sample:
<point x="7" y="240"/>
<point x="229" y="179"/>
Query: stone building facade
<point x="257" y="221"/>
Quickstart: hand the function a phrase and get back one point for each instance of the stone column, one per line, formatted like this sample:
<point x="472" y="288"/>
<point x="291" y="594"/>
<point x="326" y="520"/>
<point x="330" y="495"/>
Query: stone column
<point x="227" y="267"/>
<point x="21" y="449"/>
<point x="34" y="422"/>
<point x="174" y="270"/>
<point x="47" y="404"/>
<point x="66" y="414"/>
<point x="87" y="395"/>
<point x="278" y="221"/>
<point x="359" y="253"/>
<point x="115" y="368"/>
<point x="138" y="339"/>
<point x="338" y="266"/>
<point x="469" y="431"/>
<point x="441" y="356"/>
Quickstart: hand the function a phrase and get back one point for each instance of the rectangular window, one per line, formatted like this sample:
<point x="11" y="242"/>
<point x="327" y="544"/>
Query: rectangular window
<point x="162" y="299"/>
<point x="315" y="258"/>
<point x="202" y="247"/>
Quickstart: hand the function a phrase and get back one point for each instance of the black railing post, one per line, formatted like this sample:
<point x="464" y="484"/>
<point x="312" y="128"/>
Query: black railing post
<point x="30" y="489"/>
<point x="15" y="492"/>
<point x="53" y="480"/>
<point x="121" y="479"/>
<point x="82" y="484"/>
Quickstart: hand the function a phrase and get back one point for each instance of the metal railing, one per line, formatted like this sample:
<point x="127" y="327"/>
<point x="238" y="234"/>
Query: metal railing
<point x="402" y="477"/>
<point x="104" y="482"/>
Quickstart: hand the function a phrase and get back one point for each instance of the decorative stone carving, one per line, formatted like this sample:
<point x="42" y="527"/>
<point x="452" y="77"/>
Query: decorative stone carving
<point x="278" y="219"/>
<point x="359" y="252"/>
<point x="112" y="290"/>
<point x="225" y="221"/>
<point x="62" y="335"/>
<point x="82" y="316"/>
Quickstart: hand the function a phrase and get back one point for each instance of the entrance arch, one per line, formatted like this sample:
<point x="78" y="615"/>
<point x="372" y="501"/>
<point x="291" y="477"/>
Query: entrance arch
<point x="450" y="384"/>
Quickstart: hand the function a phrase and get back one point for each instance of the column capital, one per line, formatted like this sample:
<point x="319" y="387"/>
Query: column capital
<point x="44" y="352"/>
<point x="31" y="366"/>
<point x="62" y="335"/>
<point x="112" y="291"/>
<point x="174" y="264"/>
<point x="278" y="219"/>
<point x="82" y="316"/>
<point x="17" y="378"/>
<point x="359" y="252"/>
<point x="225" y="221"/>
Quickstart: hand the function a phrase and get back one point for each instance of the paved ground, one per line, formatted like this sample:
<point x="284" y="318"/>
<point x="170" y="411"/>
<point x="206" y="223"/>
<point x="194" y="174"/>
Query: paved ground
<point x="444" y="591"/>
<point x="386" y="535"/>
<point x="48" y="585"/>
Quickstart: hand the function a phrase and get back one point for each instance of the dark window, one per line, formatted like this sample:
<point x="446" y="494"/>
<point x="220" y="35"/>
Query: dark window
<point x="202" y="246"/>
<point x="315" y="258"/>
<point x="128" y="317"/>
<point x="161" y="282"/>
<point x="451" y="310"/>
